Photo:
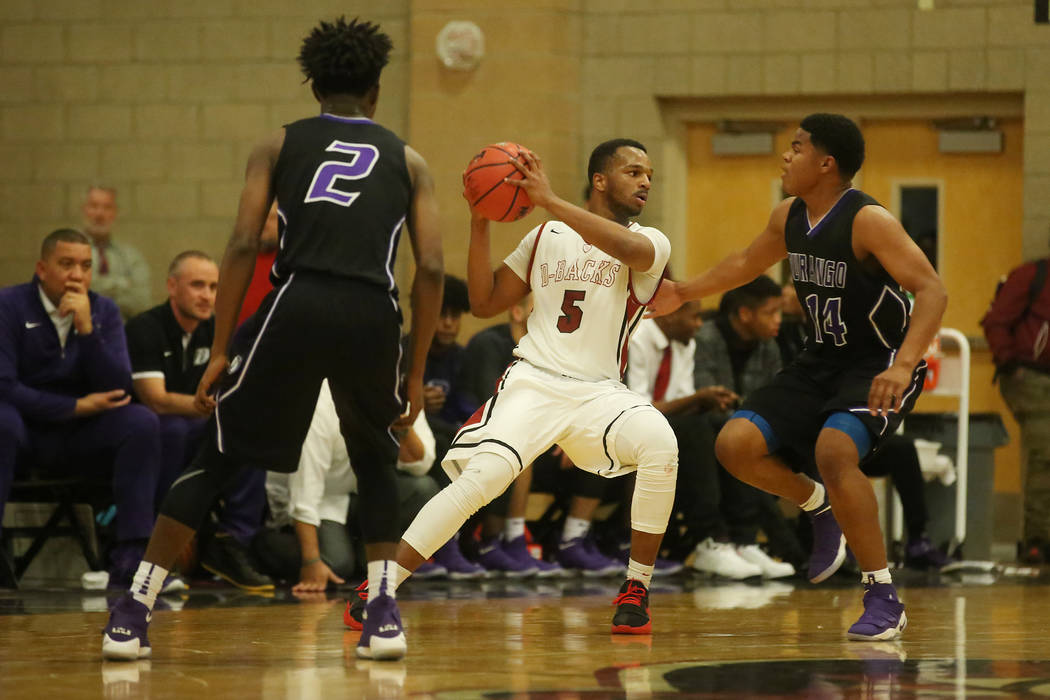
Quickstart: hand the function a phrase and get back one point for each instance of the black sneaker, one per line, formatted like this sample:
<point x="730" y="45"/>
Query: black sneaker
<point x="632" y="609"/>
<point x="229" y="560"/>
<point x="354" y="615"/>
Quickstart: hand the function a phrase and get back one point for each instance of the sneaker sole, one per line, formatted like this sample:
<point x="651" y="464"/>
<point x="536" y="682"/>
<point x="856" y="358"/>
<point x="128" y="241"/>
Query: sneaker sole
<point x="460" y="576"/>
<point x="265" y="588"/>
<point x="130" y="650"/>
<point x="887" y="635"/>
<point x="628" y="629"/>
<point x="835" y="565"/>
<point x="384" y="648"/>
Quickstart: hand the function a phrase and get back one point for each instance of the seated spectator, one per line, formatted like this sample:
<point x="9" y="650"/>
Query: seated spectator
<point x="170" y="346"/>
<point x="120" y="270"/>
<point x="660" y="368"/>
<point x="791" y="337"/>
<point x="64" y="392"/>
<point x="444" y="403"/>
<point x="738" y="350"/>
<point x="307" y="539"/>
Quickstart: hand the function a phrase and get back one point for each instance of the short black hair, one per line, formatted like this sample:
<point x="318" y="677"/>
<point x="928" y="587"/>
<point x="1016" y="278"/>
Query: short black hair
<point x="62" y="235"/>
<point x="603" y="153"/>
<point x="456" y="298"/>
<point x="343" y="57"/>
<point x="751" y="295"/>
<point x="840" y="138"/>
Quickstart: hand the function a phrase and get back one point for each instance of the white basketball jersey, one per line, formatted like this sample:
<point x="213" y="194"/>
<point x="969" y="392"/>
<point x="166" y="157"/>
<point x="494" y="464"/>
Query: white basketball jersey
<point x="586" y="303"/>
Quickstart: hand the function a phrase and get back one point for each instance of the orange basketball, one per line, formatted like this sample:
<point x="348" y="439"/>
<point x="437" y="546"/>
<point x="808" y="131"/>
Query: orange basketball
<point x="484" y="188"/>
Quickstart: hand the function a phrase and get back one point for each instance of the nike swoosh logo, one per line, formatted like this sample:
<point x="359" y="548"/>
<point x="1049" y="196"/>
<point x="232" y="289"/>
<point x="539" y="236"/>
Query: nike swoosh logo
<point x="33" y="325"/>
<point x="149" y="617"/>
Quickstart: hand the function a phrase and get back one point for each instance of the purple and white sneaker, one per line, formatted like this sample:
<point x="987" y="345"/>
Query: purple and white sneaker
<point x="124" y="638"/>
<point x="883" y="617"/>
<point x="494" y="557"/>
<point x="661" y="567"/>
<point x="382" y="634"/>
<point x="518" y="550"/>
<point x="430" y="569"/>
<point x="458" y="567"/>
<point x="582" y="555"/>
<point x="829" y="544"/>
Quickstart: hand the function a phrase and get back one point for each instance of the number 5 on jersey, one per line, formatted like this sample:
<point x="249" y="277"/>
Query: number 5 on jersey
<point x="323" y="186"/>
<point x="572" y="315"/>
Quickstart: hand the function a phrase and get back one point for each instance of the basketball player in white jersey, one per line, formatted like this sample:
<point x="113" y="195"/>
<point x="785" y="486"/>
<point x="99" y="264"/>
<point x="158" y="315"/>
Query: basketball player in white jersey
<point x="591" y="272"/>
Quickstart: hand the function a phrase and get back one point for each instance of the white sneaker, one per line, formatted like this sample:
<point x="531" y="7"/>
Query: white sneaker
<point x="721" y="558"/>
<point x="771" y="568"/>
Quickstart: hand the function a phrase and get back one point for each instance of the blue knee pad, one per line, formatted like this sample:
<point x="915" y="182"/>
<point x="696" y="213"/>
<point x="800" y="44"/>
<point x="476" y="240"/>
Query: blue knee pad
<point x="853" y="427"/>
<point x="772" y="441"/>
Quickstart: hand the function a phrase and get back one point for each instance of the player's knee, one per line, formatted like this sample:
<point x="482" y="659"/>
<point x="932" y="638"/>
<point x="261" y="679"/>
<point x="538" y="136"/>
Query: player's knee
<point x="740" y="444"/>
<point x="646" y="439"/>
<point x="842" y="443"/>
<point x="487" y="476"/>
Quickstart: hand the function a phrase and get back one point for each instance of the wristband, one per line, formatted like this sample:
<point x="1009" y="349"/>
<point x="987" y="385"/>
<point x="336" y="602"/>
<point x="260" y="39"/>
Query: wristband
<point x="308" y="562"/>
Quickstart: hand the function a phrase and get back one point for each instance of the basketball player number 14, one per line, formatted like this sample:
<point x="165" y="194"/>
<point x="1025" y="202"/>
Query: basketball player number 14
<point x="323" y="186"/>
<point x="830" y="322"/>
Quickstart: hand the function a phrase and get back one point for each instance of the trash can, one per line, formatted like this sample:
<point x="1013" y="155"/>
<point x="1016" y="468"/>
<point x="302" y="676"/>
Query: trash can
<point x="986" y="433"/>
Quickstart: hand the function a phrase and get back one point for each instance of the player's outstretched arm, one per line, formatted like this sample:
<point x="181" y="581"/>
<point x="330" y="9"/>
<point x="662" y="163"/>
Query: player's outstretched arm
<point x="876" y="232"/>
<point x="633" y="249"/>
<point x="490" y="292"/>
<point x="428" y="283"/>
<point x="737" y="268"/>
<point x="238" y="262"/>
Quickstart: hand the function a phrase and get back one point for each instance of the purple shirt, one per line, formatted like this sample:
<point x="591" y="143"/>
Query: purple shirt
<point x="42" y="379"/>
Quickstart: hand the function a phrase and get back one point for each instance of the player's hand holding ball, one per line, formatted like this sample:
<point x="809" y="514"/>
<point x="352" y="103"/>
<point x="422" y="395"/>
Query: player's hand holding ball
<point x="485" y="185"/>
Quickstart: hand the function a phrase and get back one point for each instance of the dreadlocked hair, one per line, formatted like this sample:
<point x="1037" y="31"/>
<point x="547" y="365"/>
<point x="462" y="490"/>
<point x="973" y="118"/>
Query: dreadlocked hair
<point x="343" y="57"/>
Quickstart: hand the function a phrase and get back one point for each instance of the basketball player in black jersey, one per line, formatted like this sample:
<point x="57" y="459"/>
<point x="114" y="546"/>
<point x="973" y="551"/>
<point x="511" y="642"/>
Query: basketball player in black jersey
<point x="861" y="368"/>
<point x="345" y="187"/>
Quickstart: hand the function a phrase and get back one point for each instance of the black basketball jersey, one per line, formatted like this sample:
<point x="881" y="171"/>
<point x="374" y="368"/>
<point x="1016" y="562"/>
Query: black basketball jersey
<point x="343" y="191"/>
<point x="854" y="314"/>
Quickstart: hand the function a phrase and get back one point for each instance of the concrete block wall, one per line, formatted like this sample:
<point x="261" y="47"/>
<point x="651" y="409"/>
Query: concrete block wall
<point x="162" y="100"/>
<point x="634" y="55"/>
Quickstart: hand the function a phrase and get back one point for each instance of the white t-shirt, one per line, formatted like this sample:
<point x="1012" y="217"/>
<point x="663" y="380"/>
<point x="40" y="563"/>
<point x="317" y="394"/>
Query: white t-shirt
<point x="586" y="302"/>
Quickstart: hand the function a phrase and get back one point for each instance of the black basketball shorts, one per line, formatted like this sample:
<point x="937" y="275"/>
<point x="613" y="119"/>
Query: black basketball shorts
<point x="312" y="327"/>
<point x="805" y="393"/>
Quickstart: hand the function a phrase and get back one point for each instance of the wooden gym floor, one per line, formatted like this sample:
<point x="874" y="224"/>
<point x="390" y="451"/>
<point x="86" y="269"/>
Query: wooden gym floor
<point x="976" y="636"/>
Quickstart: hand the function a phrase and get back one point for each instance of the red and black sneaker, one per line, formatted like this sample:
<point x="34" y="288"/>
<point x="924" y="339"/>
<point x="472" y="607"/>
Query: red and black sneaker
<point x="353" y="616"/>
<point x="632" y="609"/>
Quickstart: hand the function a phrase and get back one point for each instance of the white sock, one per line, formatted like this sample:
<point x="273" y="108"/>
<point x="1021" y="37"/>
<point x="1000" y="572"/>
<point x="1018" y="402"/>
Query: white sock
<point x="574" y="527"/>
<point x="815" y="499"/>
<point x="880" y="576"/>
<point x="640" y="572"/>
<point x="382" y="575"/>
<point x="146" y="584"/>
<point x="513" y="528"/>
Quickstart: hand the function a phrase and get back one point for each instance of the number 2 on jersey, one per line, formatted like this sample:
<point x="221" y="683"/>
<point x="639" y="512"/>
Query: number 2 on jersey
<point x="323" y="187"/>
<point x="572" y="315"/>
<point x="830" y="322"/>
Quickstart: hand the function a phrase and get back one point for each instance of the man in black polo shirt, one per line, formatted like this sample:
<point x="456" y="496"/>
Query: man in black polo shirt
<point x="170" y="346"/>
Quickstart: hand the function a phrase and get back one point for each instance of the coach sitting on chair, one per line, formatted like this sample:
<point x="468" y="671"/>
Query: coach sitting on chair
<point x="170" y="346"/>
<point x="64" y="381"/>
